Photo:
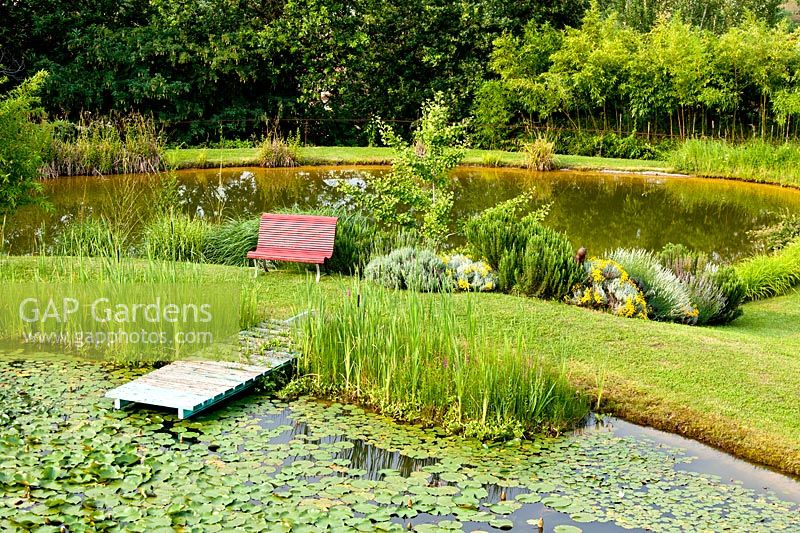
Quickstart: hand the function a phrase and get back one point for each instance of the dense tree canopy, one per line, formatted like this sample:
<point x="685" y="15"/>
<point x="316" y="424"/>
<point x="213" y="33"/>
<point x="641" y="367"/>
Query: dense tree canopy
<point x="236" y="60"/>
<point x="215" y="68"/>
<point x="675" y="78"/>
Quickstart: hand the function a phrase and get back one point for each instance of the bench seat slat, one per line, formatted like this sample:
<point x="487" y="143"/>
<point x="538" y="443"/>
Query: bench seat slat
<point x="295" y="238"/>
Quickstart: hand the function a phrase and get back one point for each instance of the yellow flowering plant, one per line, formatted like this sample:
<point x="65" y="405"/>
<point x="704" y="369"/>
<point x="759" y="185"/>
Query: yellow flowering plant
<point x="470" y="275"/>
<point x="607" y="286"/>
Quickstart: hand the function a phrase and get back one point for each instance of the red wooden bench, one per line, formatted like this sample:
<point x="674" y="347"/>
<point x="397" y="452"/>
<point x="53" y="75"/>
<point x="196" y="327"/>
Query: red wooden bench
<point x="295" y="238"/>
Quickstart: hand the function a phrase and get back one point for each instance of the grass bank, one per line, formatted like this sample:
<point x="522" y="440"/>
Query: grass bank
<point x="337" y="155"/>
<point x="735" y="387"/>
<point x="756" y="161"/>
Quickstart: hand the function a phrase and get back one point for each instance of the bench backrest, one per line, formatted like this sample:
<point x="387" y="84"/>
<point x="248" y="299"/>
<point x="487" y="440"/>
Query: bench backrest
<point x="308" y="237"/>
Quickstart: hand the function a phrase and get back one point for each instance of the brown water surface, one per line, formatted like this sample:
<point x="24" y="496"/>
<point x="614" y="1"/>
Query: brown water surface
<point x="597" y="210"/>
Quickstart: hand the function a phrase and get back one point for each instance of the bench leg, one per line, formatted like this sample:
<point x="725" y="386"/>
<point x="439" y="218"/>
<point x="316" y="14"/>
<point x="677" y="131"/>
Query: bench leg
<point x="317" y="273"/>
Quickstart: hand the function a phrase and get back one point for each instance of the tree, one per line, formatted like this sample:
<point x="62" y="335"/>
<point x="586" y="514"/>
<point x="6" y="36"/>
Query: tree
<point x="712" y="15"/>
<point x="757" y="59"/>
<point x="595" y="58"/>
<point x="419" y="186"/>
<point x="23" y="138"/>
<point x="202" y="66"/>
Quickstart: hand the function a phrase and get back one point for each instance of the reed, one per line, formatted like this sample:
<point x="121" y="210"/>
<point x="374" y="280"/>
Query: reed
<point x="751" y="161"/>
<point x="540" y="154"/>
<point x="277" y="151"/>
<point x="148" y="280"/>
<point x="229" y="242"/>
<point x="105" y="145"/>
<point x="422" y="359"/>
<point x="88" y="237"/>
<point x="175" y="237"/>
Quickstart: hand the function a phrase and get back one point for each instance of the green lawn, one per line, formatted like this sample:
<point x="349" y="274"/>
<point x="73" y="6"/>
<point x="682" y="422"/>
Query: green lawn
<point x="336" y="155"/>
<point x="736" y="387"/>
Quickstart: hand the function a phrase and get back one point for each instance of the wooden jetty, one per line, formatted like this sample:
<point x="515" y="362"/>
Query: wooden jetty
<point x="188" y="386"/>
<point x="192" y="386"/>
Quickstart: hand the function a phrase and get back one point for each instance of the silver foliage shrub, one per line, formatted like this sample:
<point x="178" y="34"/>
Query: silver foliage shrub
<point x="409" y="268"/>
<point x="668" y="298"/>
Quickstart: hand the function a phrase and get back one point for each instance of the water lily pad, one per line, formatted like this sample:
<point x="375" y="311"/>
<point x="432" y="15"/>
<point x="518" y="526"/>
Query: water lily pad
<point x="501" y="523"/>
<point x="557" y="502"/>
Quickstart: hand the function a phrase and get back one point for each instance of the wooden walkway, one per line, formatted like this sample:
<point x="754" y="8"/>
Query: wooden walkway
<point x="188" y="386"/>
<point x="192" y="386"/>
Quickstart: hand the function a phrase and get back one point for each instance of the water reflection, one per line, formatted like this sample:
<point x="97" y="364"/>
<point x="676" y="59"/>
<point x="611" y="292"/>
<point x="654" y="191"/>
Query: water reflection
<point x="707" y="460"/>
<point x="367" y="457"/>
<point x="372" y="461"/>
<point x="598" y="210"/>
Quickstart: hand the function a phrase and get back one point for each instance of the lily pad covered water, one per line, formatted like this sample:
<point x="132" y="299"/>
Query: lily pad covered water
<point x="598" y="210"/>
<point x="69" y="460"/>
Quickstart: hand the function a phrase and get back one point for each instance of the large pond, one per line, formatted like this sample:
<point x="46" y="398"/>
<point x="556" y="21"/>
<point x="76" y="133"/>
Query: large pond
<point x="597" y="210"/>
<point x="257" y="463"/>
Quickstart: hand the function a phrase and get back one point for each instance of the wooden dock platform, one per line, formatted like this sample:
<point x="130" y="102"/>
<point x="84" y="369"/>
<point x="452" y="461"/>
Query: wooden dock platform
<point x="189" y="386"/>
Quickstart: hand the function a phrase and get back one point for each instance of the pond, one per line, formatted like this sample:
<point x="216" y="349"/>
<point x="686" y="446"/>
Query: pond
<point x="259" y="463"/>
<point x="598" y="210"/>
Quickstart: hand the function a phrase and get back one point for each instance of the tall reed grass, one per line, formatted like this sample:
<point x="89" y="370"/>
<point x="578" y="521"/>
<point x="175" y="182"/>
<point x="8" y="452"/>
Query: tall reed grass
<point x="765" y="276"/>
<point x="88" y="237"/>
<point x="277" y="151"/>
<point x="420" y="358"/>
<point x="540" y="154"/>
<point x="154" y="278"/>
<point x="751" y="161"/>
<point x="105" y="145"/>
<point x="229" y="242"/>
<point x="176" y="237"/>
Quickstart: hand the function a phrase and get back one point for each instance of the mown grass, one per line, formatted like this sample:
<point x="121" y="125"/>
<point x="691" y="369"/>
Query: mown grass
<point x="755" y="161"/>
<point x="735" y="386"/>
<point x="337" y="155"/>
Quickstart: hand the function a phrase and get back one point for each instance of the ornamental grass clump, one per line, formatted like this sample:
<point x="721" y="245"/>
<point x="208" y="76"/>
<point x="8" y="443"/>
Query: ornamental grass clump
<point x="608" y="287"/>
<point x="716" y="290"/>
<point x="277" y="151"/>
<point x="409" y="268"/>
<point x="765" y="276"/>
<point x="87" y="237"/>
<point x="540" y="154"/>
<point x="175" y="237"/>
<point x="681" y="286"/>
<point x="418" y="358"/>
<point x="668" y="299"/>
<point x="228" y="243"/>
